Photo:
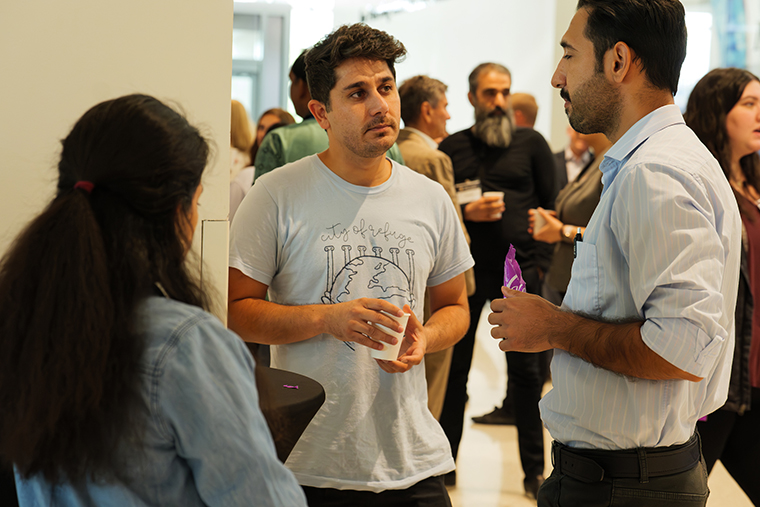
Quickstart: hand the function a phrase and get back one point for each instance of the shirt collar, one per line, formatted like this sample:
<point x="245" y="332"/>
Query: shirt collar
<point x="621" y="151"/>
<point x="428" y="140"/>
<point x="583" y="159"/>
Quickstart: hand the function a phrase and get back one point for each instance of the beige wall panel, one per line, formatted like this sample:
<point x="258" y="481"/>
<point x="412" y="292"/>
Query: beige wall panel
<point x="60" y="58"/>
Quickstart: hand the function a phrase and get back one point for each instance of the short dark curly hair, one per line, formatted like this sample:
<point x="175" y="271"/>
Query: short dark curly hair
<point x="346" y="42"/>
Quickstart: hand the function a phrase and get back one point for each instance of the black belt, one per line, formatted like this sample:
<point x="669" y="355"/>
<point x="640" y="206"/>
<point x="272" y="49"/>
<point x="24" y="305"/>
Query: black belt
<point x="594" y="465"/>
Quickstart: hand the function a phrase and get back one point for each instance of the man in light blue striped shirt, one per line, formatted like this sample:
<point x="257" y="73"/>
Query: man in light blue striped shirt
<point x="644" y="339"/>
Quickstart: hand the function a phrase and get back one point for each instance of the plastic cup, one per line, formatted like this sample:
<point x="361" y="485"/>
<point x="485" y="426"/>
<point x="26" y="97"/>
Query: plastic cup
<point x="390" y="352"/>
<point x="538" y="222"/>
<point x="500" y="195"/>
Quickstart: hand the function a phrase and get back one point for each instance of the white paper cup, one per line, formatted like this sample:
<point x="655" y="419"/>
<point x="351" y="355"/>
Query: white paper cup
<point x="538" y="222"/>
<point x="390" y="352"/>
<point x="500" y="195"/>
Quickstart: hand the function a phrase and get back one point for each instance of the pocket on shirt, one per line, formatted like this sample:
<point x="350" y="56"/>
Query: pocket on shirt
<point x="585" y="280"/>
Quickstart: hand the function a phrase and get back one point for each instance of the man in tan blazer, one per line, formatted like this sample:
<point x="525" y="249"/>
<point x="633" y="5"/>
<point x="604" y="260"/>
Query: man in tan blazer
<point x="423" y="109"/>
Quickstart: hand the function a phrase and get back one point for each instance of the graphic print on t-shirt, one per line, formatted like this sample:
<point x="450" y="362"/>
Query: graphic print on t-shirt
<point x="370" y="276"/>
<point x="377" y="275"/>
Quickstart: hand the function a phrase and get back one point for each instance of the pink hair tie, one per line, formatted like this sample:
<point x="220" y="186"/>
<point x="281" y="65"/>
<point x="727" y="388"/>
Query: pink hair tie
<point x="87" y="186"/>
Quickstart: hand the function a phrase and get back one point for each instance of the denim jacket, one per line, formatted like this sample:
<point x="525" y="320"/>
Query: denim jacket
<point x="205" y="440"/>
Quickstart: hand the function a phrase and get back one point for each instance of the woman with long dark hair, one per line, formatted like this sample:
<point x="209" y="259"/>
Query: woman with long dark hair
<point x="116" y="387"/>
<point x="724" y="112"/>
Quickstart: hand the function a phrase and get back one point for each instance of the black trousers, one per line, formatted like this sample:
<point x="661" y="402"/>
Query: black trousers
<point x="683" y="489"/>
<point x="7" y="487"/>
<point x="429" y="492"/>
<point x="523" y="372"/>
<point x="735" y="440"/>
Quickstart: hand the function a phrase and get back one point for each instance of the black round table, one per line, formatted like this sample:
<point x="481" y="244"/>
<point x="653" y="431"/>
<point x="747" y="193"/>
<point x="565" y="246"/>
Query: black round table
<point x="289" y="401"/>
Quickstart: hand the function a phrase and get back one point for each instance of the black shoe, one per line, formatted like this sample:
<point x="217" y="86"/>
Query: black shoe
<point x="497" y="416"/>
<point x="531" y="485"/>
<point x="450" y="479"/>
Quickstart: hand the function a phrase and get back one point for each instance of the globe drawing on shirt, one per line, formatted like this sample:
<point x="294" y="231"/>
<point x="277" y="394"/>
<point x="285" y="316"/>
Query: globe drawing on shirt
<point x="371" y="276"/>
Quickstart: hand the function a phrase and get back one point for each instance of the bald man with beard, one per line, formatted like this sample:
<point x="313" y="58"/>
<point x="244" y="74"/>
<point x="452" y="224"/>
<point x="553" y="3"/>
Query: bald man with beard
<point x="518" y="162"/>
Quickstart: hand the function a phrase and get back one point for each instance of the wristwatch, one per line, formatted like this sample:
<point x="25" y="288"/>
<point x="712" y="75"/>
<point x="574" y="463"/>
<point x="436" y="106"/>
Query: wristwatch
<point x="568" y="233"/>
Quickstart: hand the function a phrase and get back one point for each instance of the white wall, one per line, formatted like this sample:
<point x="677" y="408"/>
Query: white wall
<point x="559" y="123"/>
<point x="448" y="39"/>
<point x="61" y="58"/>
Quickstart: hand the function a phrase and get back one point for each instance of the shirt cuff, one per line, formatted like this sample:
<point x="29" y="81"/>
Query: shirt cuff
<point x="683" y="344"/>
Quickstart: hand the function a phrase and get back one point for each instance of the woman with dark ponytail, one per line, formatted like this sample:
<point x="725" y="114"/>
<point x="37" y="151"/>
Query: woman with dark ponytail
<point x="116" y="387"/>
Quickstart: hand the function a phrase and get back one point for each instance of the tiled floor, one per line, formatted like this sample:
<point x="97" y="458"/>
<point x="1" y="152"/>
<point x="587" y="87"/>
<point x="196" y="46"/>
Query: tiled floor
<point x="488" y="469"/>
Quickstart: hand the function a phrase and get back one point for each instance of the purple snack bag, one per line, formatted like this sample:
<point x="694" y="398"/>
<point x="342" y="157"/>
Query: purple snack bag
<point x="512" y="274"/>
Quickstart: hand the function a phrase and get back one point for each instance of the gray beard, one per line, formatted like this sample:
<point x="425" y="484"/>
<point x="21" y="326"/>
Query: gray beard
<point x="495" y="131"/>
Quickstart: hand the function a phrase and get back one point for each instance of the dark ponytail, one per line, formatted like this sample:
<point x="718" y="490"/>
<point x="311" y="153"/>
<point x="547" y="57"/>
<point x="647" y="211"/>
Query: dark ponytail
<point x="69" y="286"/>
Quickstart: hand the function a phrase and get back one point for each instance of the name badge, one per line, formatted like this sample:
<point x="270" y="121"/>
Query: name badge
<point x="468" y="191"/>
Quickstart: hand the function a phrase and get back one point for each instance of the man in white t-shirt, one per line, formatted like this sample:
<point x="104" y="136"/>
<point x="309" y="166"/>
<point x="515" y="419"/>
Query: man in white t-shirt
<point x="336" y="238"/>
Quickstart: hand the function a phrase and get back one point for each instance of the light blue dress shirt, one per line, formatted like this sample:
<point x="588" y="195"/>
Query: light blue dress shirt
<point x="205" y="441"/>
<point x="663" y="247"/>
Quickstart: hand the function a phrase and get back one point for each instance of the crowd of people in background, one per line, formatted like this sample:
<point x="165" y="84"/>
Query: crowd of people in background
<point x="638" y="244"/>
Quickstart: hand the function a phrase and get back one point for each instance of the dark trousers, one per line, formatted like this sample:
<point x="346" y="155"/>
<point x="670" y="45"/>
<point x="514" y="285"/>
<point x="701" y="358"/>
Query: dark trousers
<point x="687" y="488"/>
<point x="735" y="440"/>
<point x="522" y="370"/>
<point x="7" y="487"/>
<point x="430" y="492"/>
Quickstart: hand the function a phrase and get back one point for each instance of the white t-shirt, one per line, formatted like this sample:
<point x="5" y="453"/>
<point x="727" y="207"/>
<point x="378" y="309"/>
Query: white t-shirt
<point x="314" y="238"/>
<point x="238" y="161"/>
<point x="240" y="186"/>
